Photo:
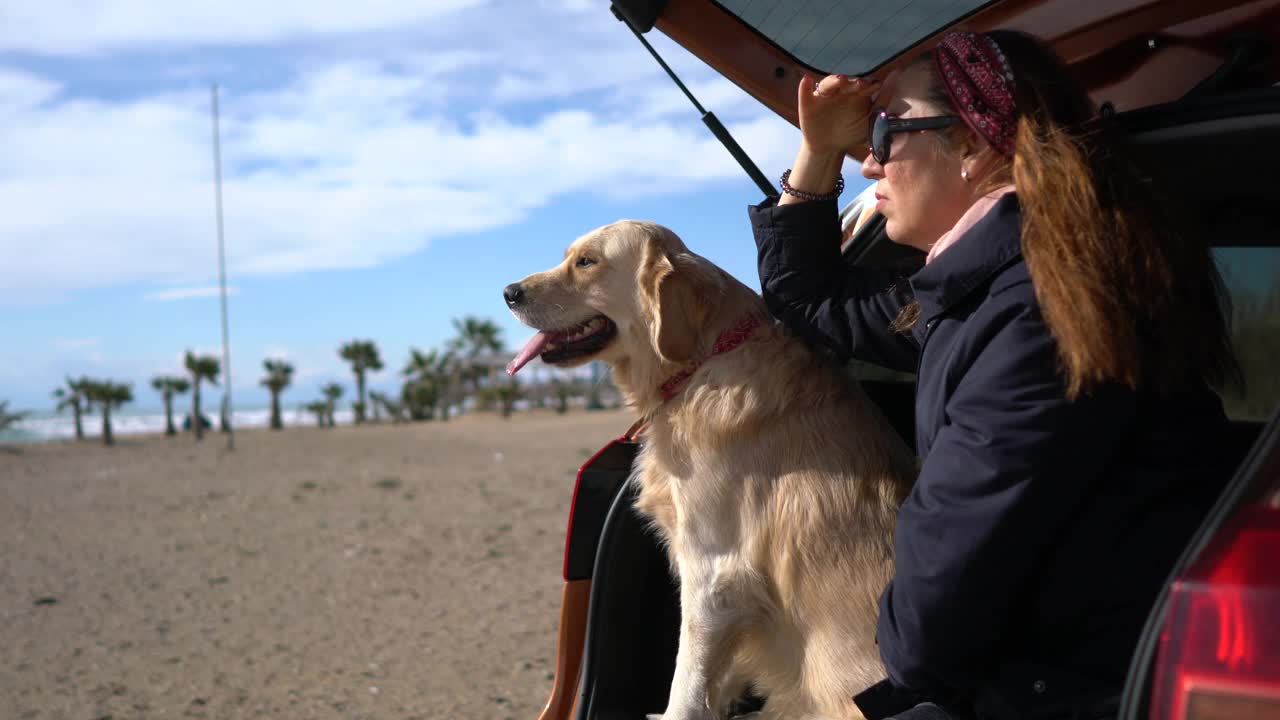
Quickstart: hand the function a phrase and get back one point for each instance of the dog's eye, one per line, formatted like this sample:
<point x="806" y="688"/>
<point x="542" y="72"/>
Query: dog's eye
<point x="584" y="261"/>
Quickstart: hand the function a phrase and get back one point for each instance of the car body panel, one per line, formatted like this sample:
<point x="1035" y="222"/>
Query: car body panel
<point x="574" y="602"/>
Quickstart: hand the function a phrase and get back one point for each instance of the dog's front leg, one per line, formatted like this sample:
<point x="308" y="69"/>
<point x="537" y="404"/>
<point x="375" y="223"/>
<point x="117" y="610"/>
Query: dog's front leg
<point x="711" y="609"/>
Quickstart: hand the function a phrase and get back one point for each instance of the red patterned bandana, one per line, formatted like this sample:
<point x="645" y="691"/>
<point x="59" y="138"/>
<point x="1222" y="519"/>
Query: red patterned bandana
<point x="980" y="82"/>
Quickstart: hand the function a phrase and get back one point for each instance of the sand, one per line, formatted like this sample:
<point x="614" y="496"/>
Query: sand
<point x="408" y="571"/>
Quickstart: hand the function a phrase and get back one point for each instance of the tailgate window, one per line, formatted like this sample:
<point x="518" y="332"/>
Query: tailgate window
<point x="1252" y="276"/>
<point x="848" y="36"/>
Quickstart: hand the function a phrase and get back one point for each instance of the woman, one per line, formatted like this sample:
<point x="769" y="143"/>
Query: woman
<point x="1065" y="342"/>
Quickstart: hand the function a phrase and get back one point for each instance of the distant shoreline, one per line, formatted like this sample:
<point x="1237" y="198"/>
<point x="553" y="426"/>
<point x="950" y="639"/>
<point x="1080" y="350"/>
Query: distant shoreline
<point x="48" y="427"/>
<point x="42" y="427"/>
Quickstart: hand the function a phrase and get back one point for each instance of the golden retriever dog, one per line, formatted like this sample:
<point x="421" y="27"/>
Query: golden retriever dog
<point x="772" y="480"/>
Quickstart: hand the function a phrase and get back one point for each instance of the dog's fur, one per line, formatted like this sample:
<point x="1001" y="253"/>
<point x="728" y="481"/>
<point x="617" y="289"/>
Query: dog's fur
<point x="772" y="480"/>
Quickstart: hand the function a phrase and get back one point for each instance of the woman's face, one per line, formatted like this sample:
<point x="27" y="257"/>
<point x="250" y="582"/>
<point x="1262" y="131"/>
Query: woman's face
<point x="919" y="190"/>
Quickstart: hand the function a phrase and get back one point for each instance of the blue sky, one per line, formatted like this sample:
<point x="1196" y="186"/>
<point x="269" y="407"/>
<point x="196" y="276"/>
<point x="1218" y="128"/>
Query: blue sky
<point x="387" y="166"/>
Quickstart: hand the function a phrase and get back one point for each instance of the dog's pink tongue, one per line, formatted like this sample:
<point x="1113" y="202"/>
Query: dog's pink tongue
<point x="531" y="349"/>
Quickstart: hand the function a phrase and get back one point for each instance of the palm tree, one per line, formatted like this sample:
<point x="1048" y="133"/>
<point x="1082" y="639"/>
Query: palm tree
<point x="476" y="337"/>
<point x="394" y="409"/>
<point x="363" y="356"/>
<point x="563" y="391"/>
<point x="73" y="396"/>
<point x="332" y="392"/>
<point x="201" y="367"/>
<point x="8" y="418"/>
<point x="109" y="395"/>
<point x="431" y="378"/>
<point x="508" y="393"/>
<point x="320" y="408"/>
<point x="168" y="386"/>
<point x="420" y="398"/>
<point x="279" y="375"/>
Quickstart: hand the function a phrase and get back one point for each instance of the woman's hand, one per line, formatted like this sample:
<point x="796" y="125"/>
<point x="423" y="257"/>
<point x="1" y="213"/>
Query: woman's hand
<point x="834" y="113"/>
<point x="833" y="122"/>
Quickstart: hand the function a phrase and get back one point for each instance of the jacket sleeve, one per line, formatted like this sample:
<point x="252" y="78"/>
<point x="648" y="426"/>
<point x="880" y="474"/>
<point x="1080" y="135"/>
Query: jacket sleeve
<point x="808" y="286"/>
<point x="1005" y="472"/>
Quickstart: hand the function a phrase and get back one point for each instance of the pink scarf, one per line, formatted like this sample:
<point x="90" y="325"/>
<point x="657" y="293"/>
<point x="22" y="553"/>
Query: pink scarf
<point x="976" y="212"/>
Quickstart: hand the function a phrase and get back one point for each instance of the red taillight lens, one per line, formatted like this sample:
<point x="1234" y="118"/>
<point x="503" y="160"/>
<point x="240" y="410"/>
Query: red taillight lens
<point x="1220" y="647"/>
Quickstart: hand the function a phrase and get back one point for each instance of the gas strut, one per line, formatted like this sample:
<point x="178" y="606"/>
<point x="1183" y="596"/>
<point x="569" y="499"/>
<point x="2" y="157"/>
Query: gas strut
<point x="708" y="118"/>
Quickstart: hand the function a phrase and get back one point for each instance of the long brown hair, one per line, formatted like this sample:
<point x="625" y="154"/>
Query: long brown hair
<point x="1128" y="299"/>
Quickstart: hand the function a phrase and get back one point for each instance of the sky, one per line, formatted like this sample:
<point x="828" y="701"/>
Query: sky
<point x="387" y="166"/>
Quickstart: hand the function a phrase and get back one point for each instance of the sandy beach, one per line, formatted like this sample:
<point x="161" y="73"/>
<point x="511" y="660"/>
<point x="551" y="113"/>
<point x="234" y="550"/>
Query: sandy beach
<point x="408" y="571"/>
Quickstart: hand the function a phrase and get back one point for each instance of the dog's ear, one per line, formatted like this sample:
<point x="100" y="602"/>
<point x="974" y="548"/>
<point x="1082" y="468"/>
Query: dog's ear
<point x="682" y="295"/>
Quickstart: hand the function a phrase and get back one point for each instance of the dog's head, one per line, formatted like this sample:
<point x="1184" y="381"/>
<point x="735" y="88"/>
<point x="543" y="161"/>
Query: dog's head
<point x="622" y="290"/>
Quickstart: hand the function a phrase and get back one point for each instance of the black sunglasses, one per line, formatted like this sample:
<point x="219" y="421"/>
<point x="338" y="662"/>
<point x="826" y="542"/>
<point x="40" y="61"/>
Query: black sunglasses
<point x="884" y="125"/>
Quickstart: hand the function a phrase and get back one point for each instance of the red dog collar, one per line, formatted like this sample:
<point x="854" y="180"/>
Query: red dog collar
<point x="728" y="340"/>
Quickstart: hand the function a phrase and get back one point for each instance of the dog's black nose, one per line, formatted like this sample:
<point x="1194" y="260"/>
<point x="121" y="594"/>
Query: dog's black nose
<point x="513" y="294"/>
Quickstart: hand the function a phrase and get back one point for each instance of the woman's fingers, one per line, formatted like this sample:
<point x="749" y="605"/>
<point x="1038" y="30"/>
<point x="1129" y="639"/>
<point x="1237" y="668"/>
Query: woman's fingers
<point x="829" y="85"/>
<point x="807" y="85"/>
<point x="833" y="110"/>
<point x="836" y="85"/>
<point x="860" y="85"/>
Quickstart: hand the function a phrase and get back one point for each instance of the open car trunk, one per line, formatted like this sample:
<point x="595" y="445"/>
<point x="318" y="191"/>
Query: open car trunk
<point x="1212" y="156"/>
<point x="1188" y="85"/>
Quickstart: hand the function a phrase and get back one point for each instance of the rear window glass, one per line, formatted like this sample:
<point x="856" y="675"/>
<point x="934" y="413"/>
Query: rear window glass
<point x="848" y="36"/>
<point x="1252" y="275"/>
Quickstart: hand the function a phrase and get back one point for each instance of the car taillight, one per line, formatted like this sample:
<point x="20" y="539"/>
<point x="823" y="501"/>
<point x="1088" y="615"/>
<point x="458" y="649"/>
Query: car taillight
<point x="1220" y="645"/>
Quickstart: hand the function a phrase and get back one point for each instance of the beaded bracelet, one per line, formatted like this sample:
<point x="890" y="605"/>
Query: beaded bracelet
<point x="803" y="195"/>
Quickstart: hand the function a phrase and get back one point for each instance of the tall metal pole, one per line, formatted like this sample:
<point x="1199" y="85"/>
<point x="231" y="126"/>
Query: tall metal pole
<point x="222" y="275"/>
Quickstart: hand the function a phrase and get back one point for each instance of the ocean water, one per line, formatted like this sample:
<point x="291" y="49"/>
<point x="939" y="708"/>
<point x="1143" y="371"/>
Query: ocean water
<point x="47" y="426"/>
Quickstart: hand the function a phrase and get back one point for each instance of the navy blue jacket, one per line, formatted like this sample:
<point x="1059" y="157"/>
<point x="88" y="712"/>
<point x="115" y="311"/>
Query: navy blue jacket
<point x="1039" y="530"/>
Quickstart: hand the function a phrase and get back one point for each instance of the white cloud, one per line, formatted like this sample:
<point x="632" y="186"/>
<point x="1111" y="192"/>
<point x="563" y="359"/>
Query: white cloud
<point x="363" y="155"/>
<point x="575" y="6"/>
<point x="75" y="27"/>
<point x="538" y="72"/>
<point x="335" y="171"/>
<point x="186" y="293"/>
<point x="651" y="101"/>
<point x="21" y="90"/>
<point x="446" y="62"/>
